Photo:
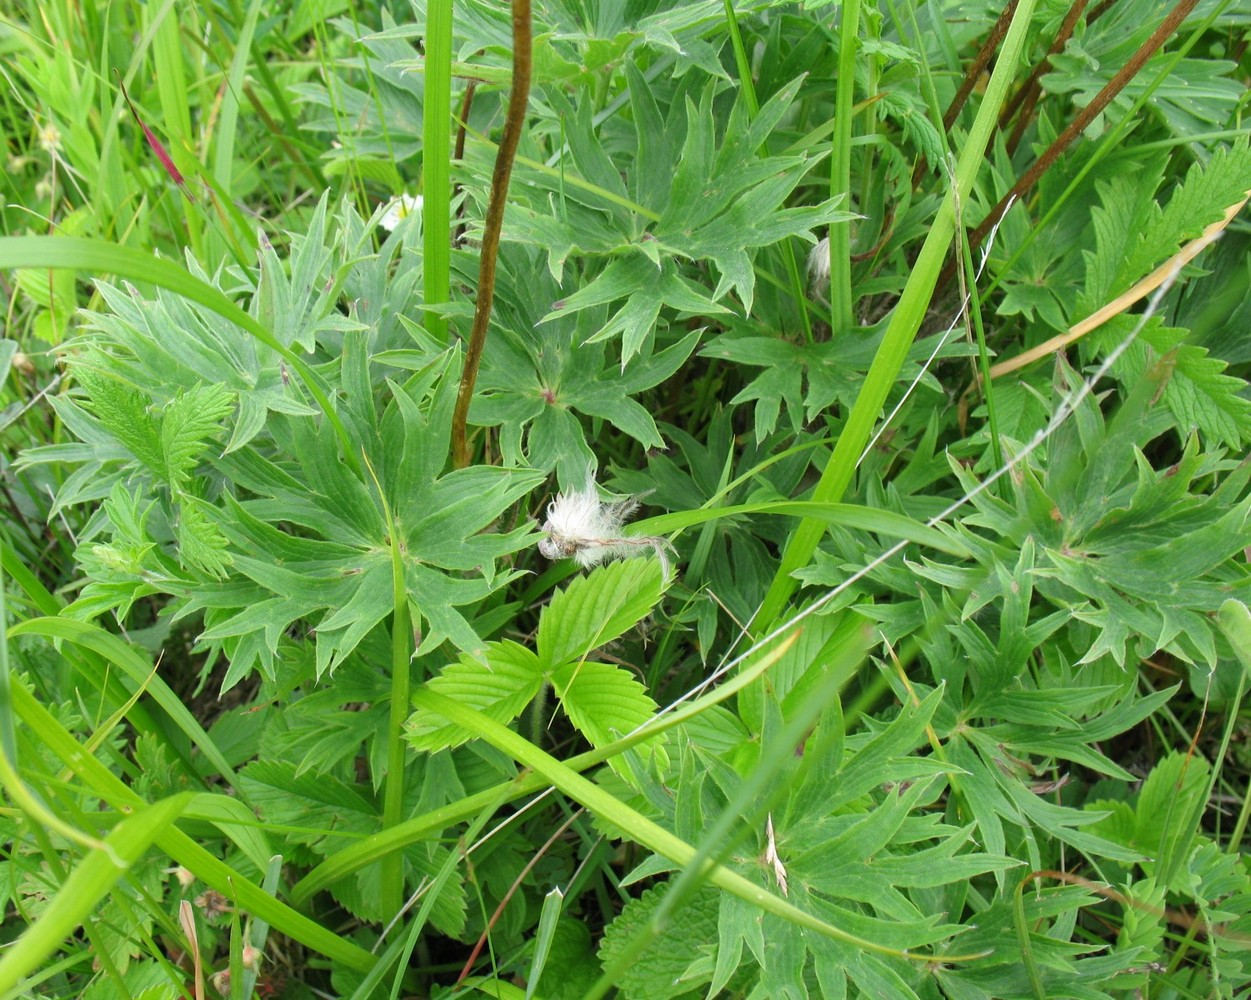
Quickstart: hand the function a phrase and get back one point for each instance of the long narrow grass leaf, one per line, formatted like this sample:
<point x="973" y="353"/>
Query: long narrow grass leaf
<point x="903" y="326"/>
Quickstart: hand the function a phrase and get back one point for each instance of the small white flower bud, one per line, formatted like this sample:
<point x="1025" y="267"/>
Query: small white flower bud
<point x="819" y="266"/>
<point x="399" y="209"/>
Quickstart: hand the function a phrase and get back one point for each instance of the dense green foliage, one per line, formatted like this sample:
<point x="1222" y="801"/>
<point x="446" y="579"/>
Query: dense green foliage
<point x="917" y="679"/>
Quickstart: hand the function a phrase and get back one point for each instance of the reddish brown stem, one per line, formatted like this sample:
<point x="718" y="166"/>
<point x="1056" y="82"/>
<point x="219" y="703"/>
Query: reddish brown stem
<point x="499" y="910"/>
<point x="979" y="64"/>
<point x="1079" y="124"/>
<point x="494" y="222"/>
<point x="971" y="76"/>
<point x="1027" y="97"/>
<point x="458" y="154"/>
<point x="466" y="104"/>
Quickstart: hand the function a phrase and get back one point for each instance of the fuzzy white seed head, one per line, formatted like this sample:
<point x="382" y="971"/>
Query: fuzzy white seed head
<point x="580" y="527"/>
<point x="583" y="528"/>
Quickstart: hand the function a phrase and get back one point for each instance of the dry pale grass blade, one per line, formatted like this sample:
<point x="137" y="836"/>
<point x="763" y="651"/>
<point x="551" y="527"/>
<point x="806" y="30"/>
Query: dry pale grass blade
<point x="1123" y="301"/>
<point x="186" y="917"/>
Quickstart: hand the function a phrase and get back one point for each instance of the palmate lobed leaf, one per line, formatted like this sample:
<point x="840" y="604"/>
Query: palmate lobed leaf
<point x="294" y="533"/>
<point x="1138" y="553"/>
<point x="720" y="202"/>
<point x="832" y="867"/>
<point x="850" y="857"/>
<point x="302" y="307"/>
<point x="538" y="377"/>
<point x="832" y="370"/>
<point x="344" y="591"/>
<point x="343" y="587"/>
<point x="1037" y="722"/>
<point x="646" y="285"/>
<point x="166" y="342"/>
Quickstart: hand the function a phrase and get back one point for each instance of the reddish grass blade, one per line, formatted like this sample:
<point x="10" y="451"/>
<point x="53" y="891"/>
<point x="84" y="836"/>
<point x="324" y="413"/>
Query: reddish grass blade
<point x="157" y="147"/>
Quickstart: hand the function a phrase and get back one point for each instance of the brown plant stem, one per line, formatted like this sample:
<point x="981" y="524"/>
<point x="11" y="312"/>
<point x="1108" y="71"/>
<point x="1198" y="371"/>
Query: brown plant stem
<point x="512" y="889"/>
<point x="1027" y="97"/>
<point x="1079" y="124"/>
<point x="458" y="154"/>
<point x="492" y="224"/>
<point x="974" y="72"/>
<point x="971" y="76"/>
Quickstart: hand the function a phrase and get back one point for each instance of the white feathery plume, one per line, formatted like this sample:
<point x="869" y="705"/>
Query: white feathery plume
<point x="583" y="528"/>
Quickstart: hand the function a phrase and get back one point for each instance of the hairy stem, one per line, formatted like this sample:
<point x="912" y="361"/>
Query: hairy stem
<point x="492" y="225"/>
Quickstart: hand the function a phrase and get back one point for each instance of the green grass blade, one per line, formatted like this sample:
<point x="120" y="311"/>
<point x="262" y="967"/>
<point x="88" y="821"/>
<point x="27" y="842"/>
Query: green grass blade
<point x="436" y="185"/>
<point x="840" y="170"/>
<point x="641" y="829"/>
<point x="8" y="732"/>
<point x="880" y="522"/>
<point x="753" y="799"/>
<point x="903" y="327"/>
<point x="134" y="666"/>
<point x="228" y="120"/>
<point x="36" y="593"/>
<point x="549" y="916"/>
<point x="170" y="70"/>
<point x="237" y="821"/>
<point x="258" y="934"/>
<point x="86" y="886"/>
<point x="371" y="849"/>
<point x="969" y="290"/>
<point x="180" y="847"/>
